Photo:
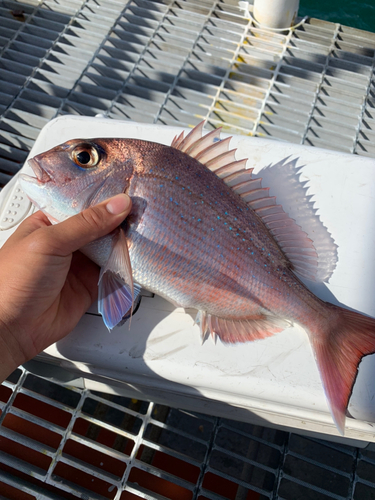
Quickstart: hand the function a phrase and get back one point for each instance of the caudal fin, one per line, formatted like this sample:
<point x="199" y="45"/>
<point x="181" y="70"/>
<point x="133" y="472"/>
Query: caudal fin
<point x="338" y="355"/>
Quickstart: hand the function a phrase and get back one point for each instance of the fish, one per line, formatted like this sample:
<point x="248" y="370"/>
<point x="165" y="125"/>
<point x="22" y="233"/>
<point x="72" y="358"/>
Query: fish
<point x="204" y="234"/>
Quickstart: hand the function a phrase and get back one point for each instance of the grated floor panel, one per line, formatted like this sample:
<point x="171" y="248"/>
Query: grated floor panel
<point x="172" y="62"/>
<point x="59" y="442"/>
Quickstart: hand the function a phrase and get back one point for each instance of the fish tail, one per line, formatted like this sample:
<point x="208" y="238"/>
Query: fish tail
<point x="338" y="352"/>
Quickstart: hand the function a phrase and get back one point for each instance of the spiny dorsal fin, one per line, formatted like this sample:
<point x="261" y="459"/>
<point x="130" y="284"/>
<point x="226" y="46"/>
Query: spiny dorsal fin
<point x="195" y="135"/>
<point x="203" y="145"/>
<point x="215" y="155"/>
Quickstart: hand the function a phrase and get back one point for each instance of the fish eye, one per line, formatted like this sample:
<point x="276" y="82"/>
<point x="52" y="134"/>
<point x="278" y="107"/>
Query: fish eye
<point x="85" y="156"/>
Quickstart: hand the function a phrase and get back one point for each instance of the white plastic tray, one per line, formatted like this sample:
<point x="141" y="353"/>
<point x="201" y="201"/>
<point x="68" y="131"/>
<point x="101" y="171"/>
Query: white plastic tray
<point x="273" y="381"/>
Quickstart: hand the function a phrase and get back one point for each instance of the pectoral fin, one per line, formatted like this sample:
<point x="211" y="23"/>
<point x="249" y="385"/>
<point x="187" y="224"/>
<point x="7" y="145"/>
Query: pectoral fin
<point x="135" y="305"/>
<point x="116" y="289"/>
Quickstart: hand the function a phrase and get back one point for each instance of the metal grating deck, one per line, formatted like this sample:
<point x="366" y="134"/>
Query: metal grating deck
<point x="59" y="442"/>
<point x="172" y="62"/>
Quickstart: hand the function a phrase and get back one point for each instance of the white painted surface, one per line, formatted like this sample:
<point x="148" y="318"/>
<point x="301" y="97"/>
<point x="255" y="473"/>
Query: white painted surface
<point x="275" y="14"/>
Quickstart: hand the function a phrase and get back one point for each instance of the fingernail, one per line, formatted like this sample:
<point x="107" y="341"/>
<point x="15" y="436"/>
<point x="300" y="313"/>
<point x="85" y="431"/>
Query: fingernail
<point x="118" y="204"/>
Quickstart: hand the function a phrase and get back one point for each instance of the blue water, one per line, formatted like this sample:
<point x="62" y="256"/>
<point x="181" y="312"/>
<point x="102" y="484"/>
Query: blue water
<point x="355" y="13"/>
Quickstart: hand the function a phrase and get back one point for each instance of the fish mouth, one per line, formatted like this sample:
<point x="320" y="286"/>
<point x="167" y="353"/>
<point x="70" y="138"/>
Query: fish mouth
<point x="41" y="175"/>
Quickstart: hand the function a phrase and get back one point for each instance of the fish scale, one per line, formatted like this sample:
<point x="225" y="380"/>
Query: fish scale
<point x="203" y="234"/>
<point x="208" y="215"/>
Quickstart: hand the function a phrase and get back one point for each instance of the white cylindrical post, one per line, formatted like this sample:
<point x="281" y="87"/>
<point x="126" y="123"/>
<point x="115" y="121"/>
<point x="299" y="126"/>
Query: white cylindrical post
<point x="276" y="14"/>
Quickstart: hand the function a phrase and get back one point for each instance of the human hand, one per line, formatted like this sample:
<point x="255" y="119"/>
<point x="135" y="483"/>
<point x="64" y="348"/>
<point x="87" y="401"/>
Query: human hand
<point x="46" y="284"/>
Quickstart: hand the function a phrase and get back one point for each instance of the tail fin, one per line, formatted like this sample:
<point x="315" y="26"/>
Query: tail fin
<point x="338" y="356"/>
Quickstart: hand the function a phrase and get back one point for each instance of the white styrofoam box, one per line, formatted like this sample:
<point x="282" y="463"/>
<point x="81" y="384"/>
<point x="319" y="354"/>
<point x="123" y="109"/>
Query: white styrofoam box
<point x="273" y="381"/>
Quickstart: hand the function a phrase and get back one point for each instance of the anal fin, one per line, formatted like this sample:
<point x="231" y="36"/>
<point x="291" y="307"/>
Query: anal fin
<point x="232" y="331"/>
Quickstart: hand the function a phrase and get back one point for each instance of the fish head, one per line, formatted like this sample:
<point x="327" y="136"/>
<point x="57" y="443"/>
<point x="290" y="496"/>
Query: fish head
<point x="77" y="174"/>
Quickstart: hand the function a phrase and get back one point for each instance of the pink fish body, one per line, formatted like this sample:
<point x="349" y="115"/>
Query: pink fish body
<point x="205" y="235"/>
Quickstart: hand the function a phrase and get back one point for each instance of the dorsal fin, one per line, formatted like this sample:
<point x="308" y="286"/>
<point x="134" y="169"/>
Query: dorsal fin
<point x="203" y="145"/>
<point x="230" y="168"/>
<point x="216" y="156"/>
<point x="183" y="143"/>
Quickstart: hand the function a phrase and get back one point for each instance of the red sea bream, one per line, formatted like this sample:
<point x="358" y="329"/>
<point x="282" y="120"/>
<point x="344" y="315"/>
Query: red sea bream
<point x="203" y="234"/>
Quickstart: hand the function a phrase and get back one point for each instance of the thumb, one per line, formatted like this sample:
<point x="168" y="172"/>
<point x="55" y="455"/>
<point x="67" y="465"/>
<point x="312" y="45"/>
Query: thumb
<point x="89" y="225"/>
